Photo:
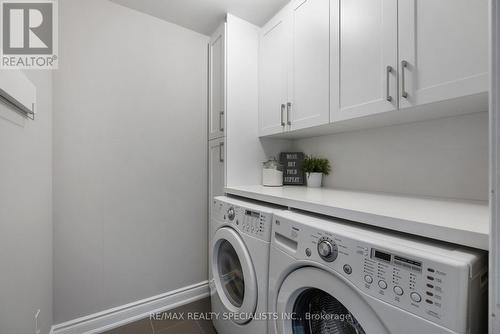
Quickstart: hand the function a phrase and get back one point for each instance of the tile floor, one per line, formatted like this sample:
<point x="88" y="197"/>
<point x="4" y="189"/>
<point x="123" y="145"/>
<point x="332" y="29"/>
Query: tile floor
<point x="171" y="326"/>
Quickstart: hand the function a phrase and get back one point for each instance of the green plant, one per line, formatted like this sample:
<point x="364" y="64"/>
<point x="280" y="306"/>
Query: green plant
<point x="316" y="165"/>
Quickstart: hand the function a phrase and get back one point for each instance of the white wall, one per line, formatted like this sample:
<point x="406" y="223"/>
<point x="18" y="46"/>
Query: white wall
<point x="129" y="158"/>
<point x="26" y="214"/>
<point x="446" y="158"/>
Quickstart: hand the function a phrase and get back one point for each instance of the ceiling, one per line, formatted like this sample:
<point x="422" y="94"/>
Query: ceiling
<point x="204" y="16"/>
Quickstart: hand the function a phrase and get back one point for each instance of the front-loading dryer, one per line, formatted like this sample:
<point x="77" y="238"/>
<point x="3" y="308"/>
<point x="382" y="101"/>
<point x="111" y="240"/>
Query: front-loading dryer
<point x="240" y="234"/>
<point x="332" y="276"/>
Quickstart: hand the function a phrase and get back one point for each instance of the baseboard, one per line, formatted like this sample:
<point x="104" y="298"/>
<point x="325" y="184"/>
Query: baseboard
<point x="122" y="315"/>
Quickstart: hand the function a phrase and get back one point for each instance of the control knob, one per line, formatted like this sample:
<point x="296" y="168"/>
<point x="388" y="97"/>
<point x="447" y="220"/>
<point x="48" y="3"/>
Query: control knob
<point x="231" y="214"/>
<point x="327" y="250"/>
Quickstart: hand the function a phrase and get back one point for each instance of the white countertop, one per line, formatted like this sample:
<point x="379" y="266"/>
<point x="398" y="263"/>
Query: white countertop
<point x="457" y="221"/>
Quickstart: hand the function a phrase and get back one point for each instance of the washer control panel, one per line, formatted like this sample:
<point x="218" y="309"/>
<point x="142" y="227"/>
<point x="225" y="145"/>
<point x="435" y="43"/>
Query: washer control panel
<point x="404" y="280"/>
<point x="422" y="279"/>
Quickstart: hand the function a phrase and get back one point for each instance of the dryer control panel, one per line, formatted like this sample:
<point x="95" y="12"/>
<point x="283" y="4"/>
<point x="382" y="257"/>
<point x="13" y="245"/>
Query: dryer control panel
<point x="254" y="220"/>
<point x="429" y="279"/>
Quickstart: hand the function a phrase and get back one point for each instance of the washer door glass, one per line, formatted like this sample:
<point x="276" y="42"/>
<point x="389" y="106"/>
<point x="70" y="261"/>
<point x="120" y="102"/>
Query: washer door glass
<point x="324" y="302"/>
<point x="318" y="312"/>
<point x="234" y="275"/>
<point x="231" y="274"/>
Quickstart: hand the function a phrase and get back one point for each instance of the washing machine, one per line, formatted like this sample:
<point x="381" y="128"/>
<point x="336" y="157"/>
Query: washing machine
<point x="240" y="234"/>
<point x="333" y="276"/>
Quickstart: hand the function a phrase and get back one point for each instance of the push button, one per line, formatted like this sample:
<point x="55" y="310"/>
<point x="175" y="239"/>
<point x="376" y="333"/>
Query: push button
<point x="347" y="269"/>
<point x="415" y="297"/>
<point x="308" y="252"/>
<point x="382" y="285"/>
<point x="398" y="290"/>
<point x="368" y="279"/>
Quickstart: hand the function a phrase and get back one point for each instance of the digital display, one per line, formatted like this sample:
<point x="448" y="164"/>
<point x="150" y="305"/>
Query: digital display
<point x="252" y="214"/>
<point x="411" y="262"/>
<point x="381" y="255"/>
<point x="396" y="260"/>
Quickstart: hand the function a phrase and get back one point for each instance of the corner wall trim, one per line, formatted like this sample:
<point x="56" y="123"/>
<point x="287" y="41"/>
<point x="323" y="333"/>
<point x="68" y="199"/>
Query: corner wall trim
<point x="122" y="315"/>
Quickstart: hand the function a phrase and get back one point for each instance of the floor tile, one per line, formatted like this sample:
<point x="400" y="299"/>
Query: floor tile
<point x="138" y="327"/>
<point x="184" y="327"/>
<point x="202" y="305"/>
<point x="207" y="327"/>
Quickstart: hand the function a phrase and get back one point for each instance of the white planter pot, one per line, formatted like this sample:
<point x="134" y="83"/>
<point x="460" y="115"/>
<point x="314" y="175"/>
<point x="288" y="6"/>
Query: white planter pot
<point x="314" y="180"/>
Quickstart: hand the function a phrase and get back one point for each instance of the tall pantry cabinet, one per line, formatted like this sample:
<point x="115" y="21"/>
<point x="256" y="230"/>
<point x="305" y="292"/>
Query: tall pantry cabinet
<point x="216" y="115"/>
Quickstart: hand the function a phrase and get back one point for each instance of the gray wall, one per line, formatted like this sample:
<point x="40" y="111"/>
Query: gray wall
<point x="446" y="158"/>
<point x="129" y="158"/>
<point x="26" y="214"/>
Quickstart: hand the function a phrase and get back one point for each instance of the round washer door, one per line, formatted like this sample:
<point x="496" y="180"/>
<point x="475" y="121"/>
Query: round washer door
<point x="233" y="274"/>
<point x="323" y="303"/>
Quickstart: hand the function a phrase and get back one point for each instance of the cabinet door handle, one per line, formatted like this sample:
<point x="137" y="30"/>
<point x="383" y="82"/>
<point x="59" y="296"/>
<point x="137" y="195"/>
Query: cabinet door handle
<point x="221" y="125"/>
<point x="404" y="65"/>
<point x="388" y="86"/>
<point x="288" y="111"/>
<point x="221" y="149"/>
<point x="282" y="115"/>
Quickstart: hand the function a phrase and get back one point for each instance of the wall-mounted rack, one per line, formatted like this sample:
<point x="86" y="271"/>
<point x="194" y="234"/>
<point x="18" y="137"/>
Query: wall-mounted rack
<point x="18" y="92"/>
<point x="8" y="100"/>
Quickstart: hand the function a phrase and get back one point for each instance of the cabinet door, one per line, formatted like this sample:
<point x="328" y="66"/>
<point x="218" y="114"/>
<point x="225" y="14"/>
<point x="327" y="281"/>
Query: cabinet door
<point x="216" y="175"/>
<point x="217" y="83"/>
<point x="368" y="58"/>
<point x="274" y="57"/>
<point x="445" y="46"/>
<point x="309" y="98"/>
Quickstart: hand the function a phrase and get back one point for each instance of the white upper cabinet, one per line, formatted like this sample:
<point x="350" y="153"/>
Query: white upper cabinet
<point x="294" y="68"/>
<point x="273" y="86"/>
<point x="368" y="58"/>
<point x="444" y="46"/>
<point x="309" y="96"/>
<point x="335" y="60"/>
<point x="217" y="83"/>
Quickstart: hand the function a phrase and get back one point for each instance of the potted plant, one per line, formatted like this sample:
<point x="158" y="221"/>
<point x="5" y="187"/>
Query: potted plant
<point x="315" y="168"/>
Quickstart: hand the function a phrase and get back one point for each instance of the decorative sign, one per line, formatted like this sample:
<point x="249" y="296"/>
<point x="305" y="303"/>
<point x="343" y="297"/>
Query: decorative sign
<point x="292" y="168"/>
